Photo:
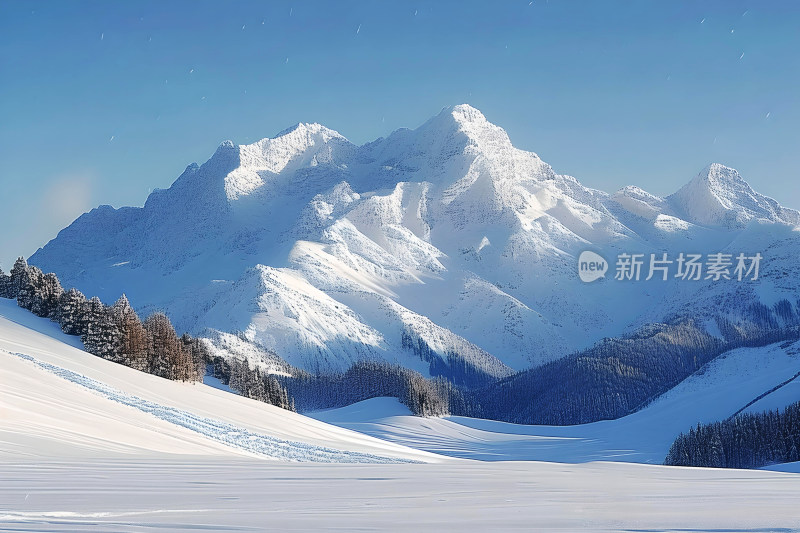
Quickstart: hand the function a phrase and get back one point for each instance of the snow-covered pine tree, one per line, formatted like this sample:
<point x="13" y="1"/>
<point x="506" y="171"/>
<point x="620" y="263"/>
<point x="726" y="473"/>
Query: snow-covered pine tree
<point x="102" y="337"/>
<point x="19" y="273"/>
<point x="30" y="282"/>
<point x="70" y="312"/>
<point x="159" y="350"/>
<point x="5" y="284"/>
<point x="35" y="291"/>
<point x="45" y="298"/>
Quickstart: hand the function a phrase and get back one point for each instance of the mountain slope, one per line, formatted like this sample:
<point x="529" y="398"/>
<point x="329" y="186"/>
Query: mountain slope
<point x="324" y="252"/>
<point x="717" y="391"/>
<point x="59" y="401"/>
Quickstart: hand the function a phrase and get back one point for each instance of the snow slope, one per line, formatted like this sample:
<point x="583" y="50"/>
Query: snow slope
<point x="324" y="252"/>
<point x="58" y="401"/>
<point x="721" y="388"/>
<point x="227" y="495"/>
<point x="77" y="454"/>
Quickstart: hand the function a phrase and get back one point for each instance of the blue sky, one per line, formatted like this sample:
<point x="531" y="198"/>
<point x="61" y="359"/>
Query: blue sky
<point x="100" y="102"/>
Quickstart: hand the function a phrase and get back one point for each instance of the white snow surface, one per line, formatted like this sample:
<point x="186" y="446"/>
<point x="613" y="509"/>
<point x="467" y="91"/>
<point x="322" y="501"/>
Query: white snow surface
<point x="202" y="494"/>
<point x="59" y="401"/>
<point x="324" y="252"/>
<point x="88" y="445"/>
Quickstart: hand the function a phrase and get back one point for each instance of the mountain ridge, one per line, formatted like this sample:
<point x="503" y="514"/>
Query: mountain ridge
<point x="407" y="234"/>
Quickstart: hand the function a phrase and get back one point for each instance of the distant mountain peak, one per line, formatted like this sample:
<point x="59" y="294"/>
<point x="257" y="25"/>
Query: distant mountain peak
<point x="466" y="113"/>
<point x="722" y="178"/>
<point x="307" y="128"/>
<point x="719" y="195"/>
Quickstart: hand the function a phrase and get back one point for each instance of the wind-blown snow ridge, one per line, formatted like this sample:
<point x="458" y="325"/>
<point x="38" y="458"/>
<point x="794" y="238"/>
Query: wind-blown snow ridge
<point x="259" y="444"/>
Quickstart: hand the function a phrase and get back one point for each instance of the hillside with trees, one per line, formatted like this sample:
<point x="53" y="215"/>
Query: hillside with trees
<point x="747" y="440"/>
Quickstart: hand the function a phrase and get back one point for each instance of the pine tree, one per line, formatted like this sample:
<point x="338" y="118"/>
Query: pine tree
<point x="70" y="312"/>
<point x="5" y="285"/>
<point x="102" y="337"/>
<point x="199" y="353"/>
<point x="133" y="342"/>
<point x="45" y="300"/>
<point x="30" y="282"/>
<point x="19" y="274"/>
<point x="166" y="356"/>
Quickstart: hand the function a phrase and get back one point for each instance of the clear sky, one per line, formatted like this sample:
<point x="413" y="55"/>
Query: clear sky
<point x="100" y="102"/>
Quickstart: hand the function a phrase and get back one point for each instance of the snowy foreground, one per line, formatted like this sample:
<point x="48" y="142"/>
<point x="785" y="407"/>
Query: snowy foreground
<point x="145" y="494"/>
<point x="89" y="445"/>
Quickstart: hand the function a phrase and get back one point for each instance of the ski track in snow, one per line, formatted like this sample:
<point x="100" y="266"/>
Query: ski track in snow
<point x="223" y="432"/>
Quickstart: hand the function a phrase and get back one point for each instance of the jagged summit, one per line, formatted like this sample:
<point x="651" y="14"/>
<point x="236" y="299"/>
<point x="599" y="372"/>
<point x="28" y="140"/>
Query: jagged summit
<point x="312" y="128"/>
<point x="719" y="195"/>
<point x="470" y="122"/>
<point x="724" y="181"/>
<point x="464" y="113"/>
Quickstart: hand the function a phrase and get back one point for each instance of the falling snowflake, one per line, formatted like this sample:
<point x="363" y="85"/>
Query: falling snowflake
<point x="358" y="29"/>
<point x="111" y="139"/>
<point x="767" y="115"/>
<point x="741" y="56"/>
<point x="191" y="70"/>
<point x="702" y="21"/>
<point x="287" y="60"/>
<point x="243" y="26"/>
<point x="102" y="35"/>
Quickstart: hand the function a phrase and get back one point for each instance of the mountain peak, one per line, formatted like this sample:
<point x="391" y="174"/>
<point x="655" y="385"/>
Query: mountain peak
<point x="719" y="195"/>
<point x="465" y="121"/>
<point x="462" y="116"/>
<point x="302" y="144"/>
<point x="720" y="177"/>
<point x="465" y="113"/>
<point x="308" y="128"/>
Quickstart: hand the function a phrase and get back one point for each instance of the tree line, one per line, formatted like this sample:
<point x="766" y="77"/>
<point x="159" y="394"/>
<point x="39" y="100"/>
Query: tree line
<point x="250" y="382"/>
<point x="117" y="334"/>
<point x="114" y="333"/>
<point x="743" y="441"/>
<point x="372" y="379"/>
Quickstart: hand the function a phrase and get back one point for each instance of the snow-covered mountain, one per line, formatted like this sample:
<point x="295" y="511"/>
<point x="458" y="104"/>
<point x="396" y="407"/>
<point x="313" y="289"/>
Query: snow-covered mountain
<point x="434" y="248"/>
